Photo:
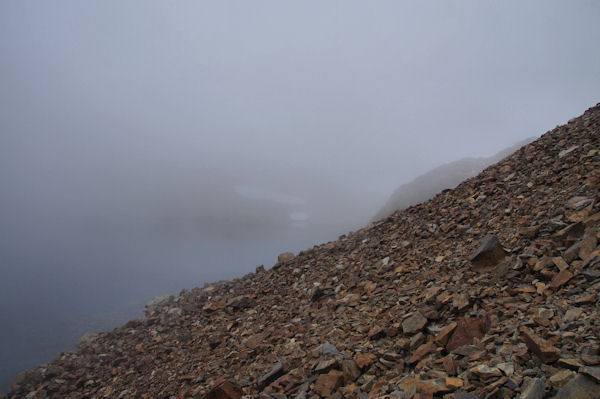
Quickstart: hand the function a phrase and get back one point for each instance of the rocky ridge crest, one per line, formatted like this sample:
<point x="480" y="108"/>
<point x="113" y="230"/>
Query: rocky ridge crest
<point x="489" y="290"/>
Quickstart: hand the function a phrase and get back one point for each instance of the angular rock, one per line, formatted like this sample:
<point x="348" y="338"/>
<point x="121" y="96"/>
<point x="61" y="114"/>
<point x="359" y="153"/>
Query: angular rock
<point x="449" y="365"/>
<point x="572" y="314"/>
<point x="461" y="301"/>
<point x="435" y="386"/>
<point x="454" y="383"/>
<point x="414" y="323"/>
<point x="507" y="368"/>
<point x="588" y="244"/>
<point x="561" y="279"/>
<point x="466" y="330"/>
<point x="593" y="372"/>
<point x="326" y="384"/>
<point x="444" y="335"/>
<point x="376" y="333"/>
<point x="159" y="300"/>
<point x="316" y="293"/>
<point x="572" y="231"/>
<point x="276" y="372"/>
<point x="590" y="359"/>
<point x="571" y="364"/>
<point x="535" y="389"/>
<point x="285" y="257"/>
<point x="215" y="306"/>
<point x="363" y="360"/>
<point x="409" y="385"/>
<point x="421" y="352"/>
<point x="464" y="395"/>
<point x="560" y="263"/>
<point x="542" y="349"/>
<point x="489" y="253"/>
<point x="351" y="371"/>
<point x="325" y="365"/>
<point x="485" y="372"/>
<point x="578" y="203"/>
<point x="86" y="340"/>
<point x="560" y="378"/>
<point x="328" y="349"/>
<point x="580" y="387"/>
<point x="223" y="389"/>
<point x="240" y="302"/>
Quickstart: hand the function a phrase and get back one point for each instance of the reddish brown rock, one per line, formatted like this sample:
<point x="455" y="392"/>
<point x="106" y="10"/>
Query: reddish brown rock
<point x="444" y="335"/>
<point x="376" y="333"/>
<point x="560" y="263"/>
<point x="214" y="306"/>
<point x="542" y="349"/>
<point x="223" y="389"/>
<point x="489" y="253"/>
<point x="326" y="384"/>
<point x="421" y="352"/>
<point x="363" y="360"/>
<point x="449" y="365"/>
<point x="466" y="330"/>
<point x="454" y="383"/>
<point x="560" y="279"/>
<point x="588" y="244"/>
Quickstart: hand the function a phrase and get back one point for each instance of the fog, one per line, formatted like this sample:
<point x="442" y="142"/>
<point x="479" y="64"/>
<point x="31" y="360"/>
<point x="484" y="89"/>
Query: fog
<point x="147" y="147"/>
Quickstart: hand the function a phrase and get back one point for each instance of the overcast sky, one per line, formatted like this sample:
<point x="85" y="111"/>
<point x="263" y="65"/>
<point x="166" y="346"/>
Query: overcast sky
<point x="367" y="94"/>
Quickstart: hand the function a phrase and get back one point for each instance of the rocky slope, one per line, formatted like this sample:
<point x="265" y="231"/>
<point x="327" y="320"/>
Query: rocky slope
<point x="489" y="290"/>
<point x="441" y="178"/>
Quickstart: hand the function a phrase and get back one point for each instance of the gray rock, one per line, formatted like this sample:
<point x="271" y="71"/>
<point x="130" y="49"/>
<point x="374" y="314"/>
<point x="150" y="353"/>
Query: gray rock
<point x="285" y="257"/>
<point x="569" y="150"/>
<point x="535" y="389"/>
<point x="572" y="314"/>
<point x="325" y="365"/>
<point x="302" y="391"/>
<point x="329" y="350"/>
<point x="578" y="203"/>
<point x="593" y="372"/>
<point x="158" y="301"/>
<point x="580" y="387"/>
<point x="465" y="395"/>
<point x="414" y="323"/>
<point x="87" y="339"/>
<point x="275" y="373"/>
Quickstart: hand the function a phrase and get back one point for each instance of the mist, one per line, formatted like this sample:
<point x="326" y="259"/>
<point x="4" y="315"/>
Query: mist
<point x="147" y="147"/>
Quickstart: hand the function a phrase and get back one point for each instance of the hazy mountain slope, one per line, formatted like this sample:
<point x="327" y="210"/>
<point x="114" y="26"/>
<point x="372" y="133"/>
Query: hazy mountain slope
<point x="443" y="177"/>
<point x="398" y="309"/>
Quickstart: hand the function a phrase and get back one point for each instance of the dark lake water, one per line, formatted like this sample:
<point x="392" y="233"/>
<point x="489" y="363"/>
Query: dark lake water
<point x="56" y="287"/>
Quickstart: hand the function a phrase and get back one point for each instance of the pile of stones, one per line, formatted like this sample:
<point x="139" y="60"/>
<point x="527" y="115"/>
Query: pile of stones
<point x="489" y="290"/>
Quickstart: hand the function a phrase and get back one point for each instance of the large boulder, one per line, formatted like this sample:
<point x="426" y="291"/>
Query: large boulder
<point x="489" y="253"/>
